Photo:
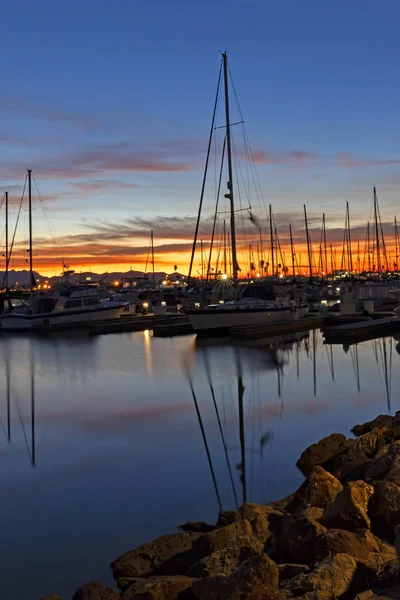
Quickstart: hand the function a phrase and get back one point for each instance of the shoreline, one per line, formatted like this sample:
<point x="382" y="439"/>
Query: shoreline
<point x="334" y="537"/>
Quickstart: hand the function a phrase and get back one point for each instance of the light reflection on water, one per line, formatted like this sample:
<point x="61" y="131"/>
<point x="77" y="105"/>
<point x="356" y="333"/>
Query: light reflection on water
<point x="110" y="424"/>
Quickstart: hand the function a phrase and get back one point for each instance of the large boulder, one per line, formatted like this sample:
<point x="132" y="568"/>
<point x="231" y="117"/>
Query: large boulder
<point x="95" y="591"/>
<point x="383" y="464"/>
<point x="223" y="562"/>
<point x="160" y="588"/>
<point x="349" y="510"/>
<point x="367" y="445"/>
<point x="221" y="538"/>
<point x="380" y="422"/>
<point x="196" y="526"/>
<point x="290" y="570"/>
<point x="295" y="540"/>
<point x="317" y="490"/>
<point x="168" y="555"/>
<point x="256" y="579"/>
<point x="385" y="509"/>
<point x="334" y="577"/>
<point x="226" y="517"/>
<point x="321" y="452"/>
<point x="263" y="518"/>
<point x="366" y="548"/>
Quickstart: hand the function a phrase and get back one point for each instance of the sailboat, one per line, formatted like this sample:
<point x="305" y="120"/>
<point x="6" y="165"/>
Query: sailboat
<point x="255" y="303"/>
<point x="63" y="306"/>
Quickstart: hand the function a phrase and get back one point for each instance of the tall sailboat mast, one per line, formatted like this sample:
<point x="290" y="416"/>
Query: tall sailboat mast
<point x="396" y="239"/>
<point x="368" y="249"/>
<point x="325" y="249"/>
<point x="378" y="252"/>
<point x="229" y="195"/>
<point x="308" y="243"/>
<point x="30" y="231"/>
<point x="292" y="249"/>
<point x="272" y="239"/>
<point x="6" y="275"/>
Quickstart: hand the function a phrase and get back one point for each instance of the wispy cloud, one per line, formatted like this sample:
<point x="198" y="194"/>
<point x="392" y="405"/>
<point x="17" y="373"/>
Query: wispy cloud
<point x="294" y="157"/>
<point x="351" y="161"/>
<point x="103" y="185"/>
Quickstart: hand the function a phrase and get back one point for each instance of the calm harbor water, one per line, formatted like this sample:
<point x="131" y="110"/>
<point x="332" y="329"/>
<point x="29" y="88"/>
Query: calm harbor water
<point x="105" y="450"/>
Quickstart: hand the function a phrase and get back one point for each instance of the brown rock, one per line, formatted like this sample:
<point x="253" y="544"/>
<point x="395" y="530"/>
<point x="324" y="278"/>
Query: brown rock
<point x="289" y="570"/>
<point x="380" y="422"/>
<point x="384" y="464"/>
<point x="223" y="562"/>
<point x="263" y="518"/>
<point x="320" y="453"/>
<point x="221" y="538"/>
<point x="394" y="475"/>
<point x="367" y="444"/>
<point x="317" y="490"/>
<point x="282" y="504"/>
<point x="382" y="451"/>
<point x="168" y="555"/>
<point x="397" y="541"/>
<point x="95" y="591"/>
<point x="226" y="517"/>
<point x="160" y="588"/>
<point x="295" y="540"/>
<point x="255" y="579"/>
<point x="385" y="509"/>
<point x="313" y="513"/>
<point x="349" y="510"/>
<point x="197" y="526"/>
<point x="366" y="548"/>
<point x="331" y="578"/>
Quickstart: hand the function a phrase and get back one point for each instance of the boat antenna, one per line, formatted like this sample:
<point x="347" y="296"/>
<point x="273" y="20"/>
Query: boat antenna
<point x="30" y="231"/>
<point x="292" y="250"/>
<point x="378" y="253"/>
<point x="229" y="195"/>
<point x="6" y="273"/>
<point x="203" y="186"/>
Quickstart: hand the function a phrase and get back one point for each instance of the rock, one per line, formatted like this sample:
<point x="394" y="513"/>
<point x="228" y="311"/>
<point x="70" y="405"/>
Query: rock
<point x="282" y="504"/>
<point x="262" y="518"/>
<point x="255" y="579"/>
<point x="223" y="562"/>
<point x="317" y="490"/>
<point x="382" y="451"/>
<point x="226" y="517"/>
<point x="221" y="538"/>
<point x="384" y="464"/>
<point x="168" y="555"/>
<point x="331" y="578"/>
<point x="289" y="570"/>
<point x="397" y="541"/>
<point x="380" y="422"/>
<point x="197" y="526"/>
<point x="313" y="513"/>
<point x="367" y="445"/>
<point x="363" y="546"/>
<point x="95" y="591"/>
<point x="160" y="588"/>
<point x="385" y="509"/>
<point x="320" y="453"/>
<point x="349" y="510"/>
<point x="295" y="540"/>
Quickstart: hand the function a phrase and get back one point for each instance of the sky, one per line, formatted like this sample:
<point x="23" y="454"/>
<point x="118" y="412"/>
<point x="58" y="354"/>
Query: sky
<point x="110" y="105"/>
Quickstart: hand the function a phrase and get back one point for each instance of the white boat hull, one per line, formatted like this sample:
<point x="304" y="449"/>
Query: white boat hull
<point x="22" y="322"/>
<point x="209" y="320"/>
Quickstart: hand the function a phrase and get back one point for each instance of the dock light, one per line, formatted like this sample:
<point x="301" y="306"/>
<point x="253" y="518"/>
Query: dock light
<point x="224" y="276"/>
<point x="258" y="275"/>
<point x="116" y="283"/>
<point x="324" y="302"/>
<point x="163" y="304"/>
<point x="145" y="305"/>
<point x="197" y="304"/>
<point x="164" y="282"/>
<point x="221" y="302"/>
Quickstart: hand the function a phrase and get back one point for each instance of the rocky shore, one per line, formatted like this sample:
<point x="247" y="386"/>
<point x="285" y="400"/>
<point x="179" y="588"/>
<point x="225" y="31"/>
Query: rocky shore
<point x="335" y="537"/>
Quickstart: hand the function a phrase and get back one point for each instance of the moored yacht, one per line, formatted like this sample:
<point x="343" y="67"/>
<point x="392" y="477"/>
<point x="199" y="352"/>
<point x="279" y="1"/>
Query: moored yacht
<point x="256" y="305"/>
<point x="66" y="306"/>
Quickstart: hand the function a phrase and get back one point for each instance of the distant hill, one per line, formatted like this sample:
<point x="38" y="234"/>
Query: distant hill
<point x="21" y="278"/>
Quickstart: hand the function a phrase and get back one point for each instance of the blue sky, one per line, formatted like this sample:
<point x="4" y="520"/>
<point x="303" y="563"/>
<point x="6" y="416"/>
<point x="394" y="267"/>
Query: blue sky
<point x="110" y="104"/>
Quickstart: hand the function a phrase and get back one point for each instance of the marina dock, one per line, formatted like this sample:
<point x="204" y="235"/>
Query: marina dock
<point x="362" y="331"/>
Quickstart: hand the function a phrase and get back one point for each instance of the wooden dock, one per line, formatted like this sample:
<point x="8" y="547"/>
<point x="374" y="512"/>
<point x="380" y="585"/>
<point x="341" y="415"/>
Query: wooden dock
<point x="353" y="333"/>
<point x="254" y="332"/>
<point x="137" y="323"/>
